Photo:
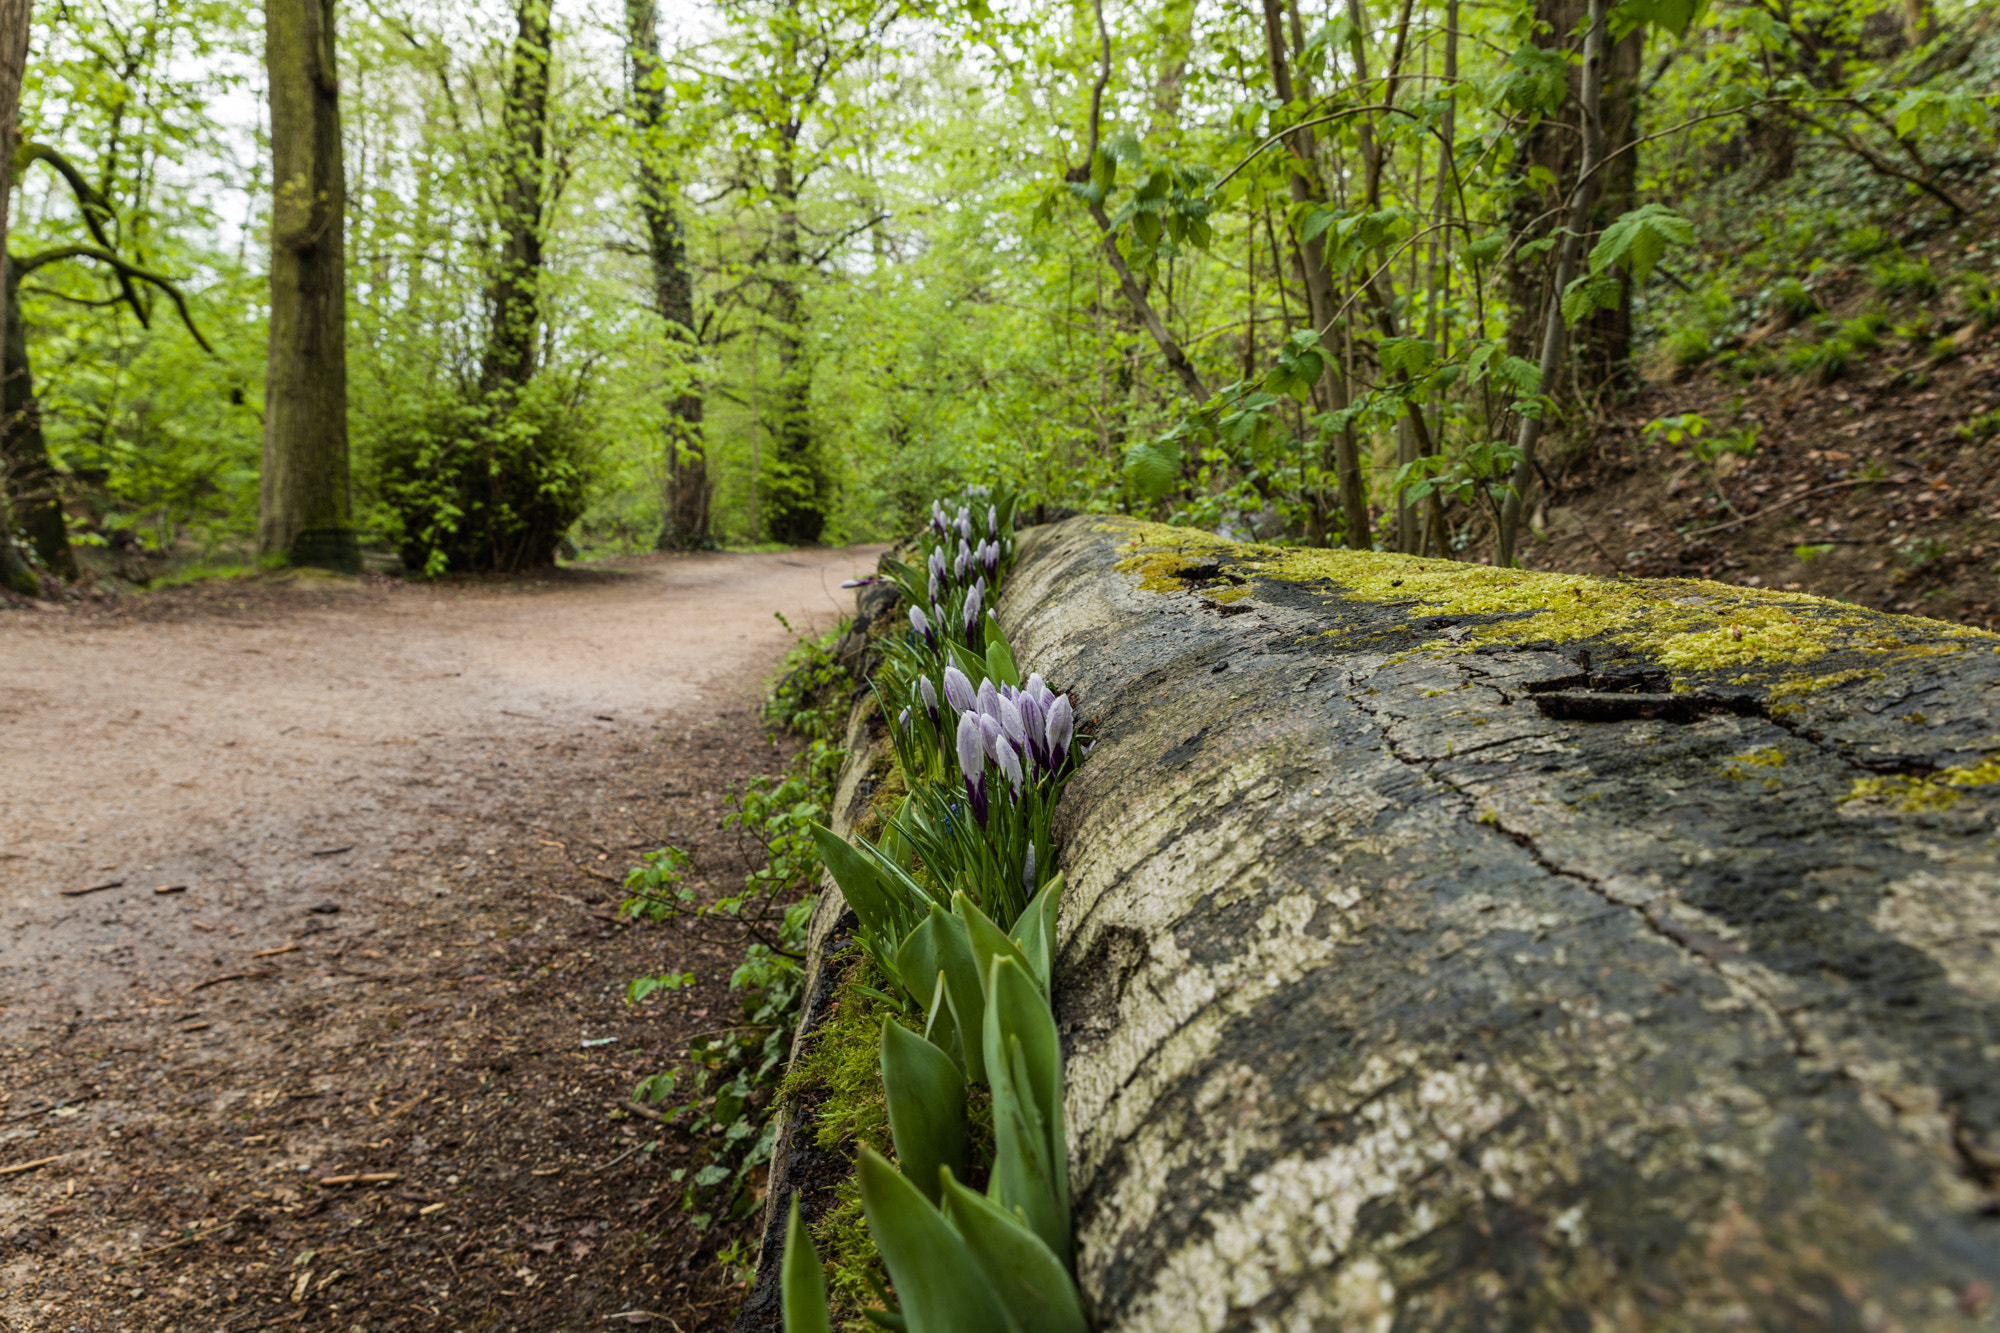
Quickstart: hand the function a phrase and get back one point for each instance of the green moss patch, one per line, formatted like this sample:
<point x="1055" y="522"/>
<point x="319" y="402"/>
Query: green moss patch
<point x="1687" y="625"/>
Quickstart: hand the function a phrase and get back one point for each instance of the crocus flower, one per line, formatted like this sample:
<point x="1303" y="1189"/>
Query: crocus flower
<point x="1034" y="722"/>
<point x="921" y="623"/>
<point x="903" y="719"/>
<point x="989" y="700"/>
<point x="935" y="588"/>
<point x="1028" y="885"/>
<point x="1038" y="688"/>
<point x="1011" y="721"/>
<point x="958" y="690"/>
<point x="972" y="763"/>
<point x="1060" y="727"/>
<point x="940" y="569"/>
<point x="925" y="688"/>
<point x="960" y="561"/>
<point x="972" y="614"/>
<point x="989" y="731"/>
<point x="964" y="524"/>
<point x="1010" y="763"/>
<point x="993" y="520"/>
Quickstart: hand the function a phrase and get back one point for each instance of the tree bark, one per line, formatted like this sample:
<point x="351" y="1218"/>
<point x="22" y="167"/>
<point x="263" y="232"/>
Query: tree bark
<point x="1310" y="257"/>
<point x="515" y="298"/>
<point x="14" y="572"/>
<point x="1569" y="253"/>
<point x="685" y="527"/>
<point x="1417" y="971"/>
<point x="304" y="513"/>
<point x="32" y="487"/>
<point x="796" y="492"/>
<point x="1603" y="341"/>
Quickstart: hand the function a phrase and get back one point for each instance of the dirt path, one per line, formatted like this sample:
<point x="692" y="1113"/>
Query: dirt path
<point x="393" y="818"/>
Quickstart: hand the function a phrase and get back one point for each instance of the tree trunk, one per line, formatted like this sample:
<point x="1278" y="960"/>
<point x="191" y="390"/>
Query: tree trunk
<point x="14" y="572"/>
<point x="685" y="527"/>
<point x="1310" y="259"/>
<point x="303" y="513"/>
<point x="515" y="298"/>
<point x="1603" y="341"/>
<point x="32" y="489"/>
<point x="1459" y="982"/>
<point x="796" y="492"/>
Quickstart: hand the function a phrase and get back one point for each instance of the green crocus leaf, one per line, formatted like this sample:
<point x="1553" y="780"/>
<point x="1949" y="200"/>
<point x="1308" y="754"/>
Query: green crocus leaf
<point x="926" y="1096"/>
<point x="988" y="940"/>
<point x="1024" y="1068"/>
<point x="941" y="1288"/>
<point x="1035" y="929"/>
<point x="967" y="997"/>
<point x="1000" y="658"/>
<point x="1031" y="1282"/>
<point x="858" y="882"/>
<point x="802" y="1282"/>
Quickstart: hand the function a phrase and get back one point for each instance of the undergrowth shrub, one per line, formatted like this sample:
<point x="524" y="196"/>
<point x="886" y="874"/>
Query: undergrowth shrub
<point x="1903" y="275"/>
<point x="472" y="481"/>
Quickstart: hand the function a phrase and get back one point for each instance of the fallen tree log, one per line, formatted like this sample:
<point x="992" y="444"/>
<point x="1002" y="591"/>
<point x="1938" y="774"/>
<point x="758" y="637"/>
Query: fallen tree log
<point x="1457" y="948"/>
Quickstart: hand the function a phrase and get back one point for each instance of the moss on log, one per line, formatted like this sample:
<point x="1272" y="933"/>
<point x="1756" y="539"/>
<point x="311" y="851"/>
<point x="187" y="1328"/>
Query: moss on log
<point x="1455" y="948"/>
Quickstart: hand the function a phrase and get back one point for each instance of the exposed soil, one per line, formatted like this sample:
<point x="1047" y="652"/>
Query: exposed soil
<point x="393" y="820"/>
<point x="1887" y="477"/>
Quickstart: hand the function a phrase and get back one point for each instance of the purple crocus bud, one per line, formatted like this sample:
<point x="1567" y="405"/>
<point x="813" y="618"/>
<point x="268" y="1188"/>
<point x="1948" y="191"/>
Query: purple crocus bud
<point x="972" y="611"/>
<point x="940" y="569"/>
<point x="972" y="763"/>
<point x="989" y="700"/>
<point x="1060" y="727"/>
<point x="925" y="688"/>
<point x="1010" y="764"/>
<point x="1011" y="721"/>
<point x="964" y="524"/>
<point x="958" y="690"/>
<point x="1039" y="689"/>
<point x="989" y="730"/>
<point x="989" y="556"/>
<point x="993" y="520"/>
<point x="959" y="563"/>
<point x="1034" y="722"/>
<point x="921" y="623"/>
<point x="935" y="589"/>
<point x="903" y="719"/>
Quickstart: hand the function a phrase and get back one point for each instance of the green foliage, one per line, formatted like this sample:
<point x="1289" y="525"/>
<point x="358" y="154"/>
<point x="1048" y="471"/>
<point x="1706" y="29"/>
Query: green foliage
<point x="1792" y="301"/>
<point x="1902" y="275"/>
<point x="1921" y="553"/>
<point x="479" y="481"/>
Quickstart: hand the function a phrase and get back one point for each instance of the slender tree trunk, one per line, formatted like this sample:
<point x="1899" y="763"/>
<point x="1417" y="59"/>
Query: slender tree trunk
<point x="1604" y="339"/>
<point x="516" y="293"/>
<point x="686" y="524"/>
<point x="1320" y="297"/>
<point x="304" y="514"/>
<point x="797" y="489"/>
<point x="14" y="571"/>
<point x="32" y="490"/>
<point x="1555" y="334"/>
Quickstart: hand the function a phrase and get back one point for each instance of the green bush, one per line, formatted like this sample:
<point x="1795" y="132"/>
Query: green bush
<point x="481" y="482"/>
<point x="1861" y="242"/>
<point x="1690" y="345"/>
<point x="1982" y="303"/>
<point x="1900" y="275"/>
<point x="1790" y="300"/>
<point x="1824" y="361"/>
<point x="1863" y="333"/>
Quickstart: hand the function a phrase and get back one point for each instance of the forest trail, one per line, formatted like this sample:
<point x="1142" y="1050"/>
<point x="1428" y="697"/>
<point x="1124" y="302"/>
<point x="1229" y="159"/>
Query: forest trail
<point x="377" y="805"/>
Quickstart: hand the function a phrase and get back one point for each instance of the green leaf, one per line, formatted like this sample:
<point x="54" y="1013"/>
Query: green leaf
<point x="1152" y="469"/>
<point x="963" y="989"/>
<point x="1035" y="929"/>
<point x="987" y="939"/>
<point x="971" y="663"/>
<point x="1024" y="1069"/>
<point x="1000" y="658"/>
<point x="858" y="882"/>
<point x="1638" y="240"/>
<point x="1486" y="248"/>
<point x="1032" y="1283"/>
<point x="926" y="1096"/>
<point x="939" y="1285"/>
<point x="801" y="1281"/>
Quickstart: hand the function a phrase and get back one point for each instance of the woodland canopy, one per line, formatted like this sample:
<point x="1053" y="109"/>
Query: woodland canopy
<point x="474" y="285"/>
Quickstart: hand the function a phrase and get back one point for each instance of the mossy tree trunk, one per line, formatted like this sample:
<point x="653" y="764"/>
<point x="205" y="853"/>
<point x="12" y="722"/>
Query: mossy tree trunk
<point x="515" y="296"/>
<point x="1457" y="948"/>
<point x="14" y="572"/>
<point x="33" y="490"/>
<point x="685" y="527"/>
<point x="304" y="514"/>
